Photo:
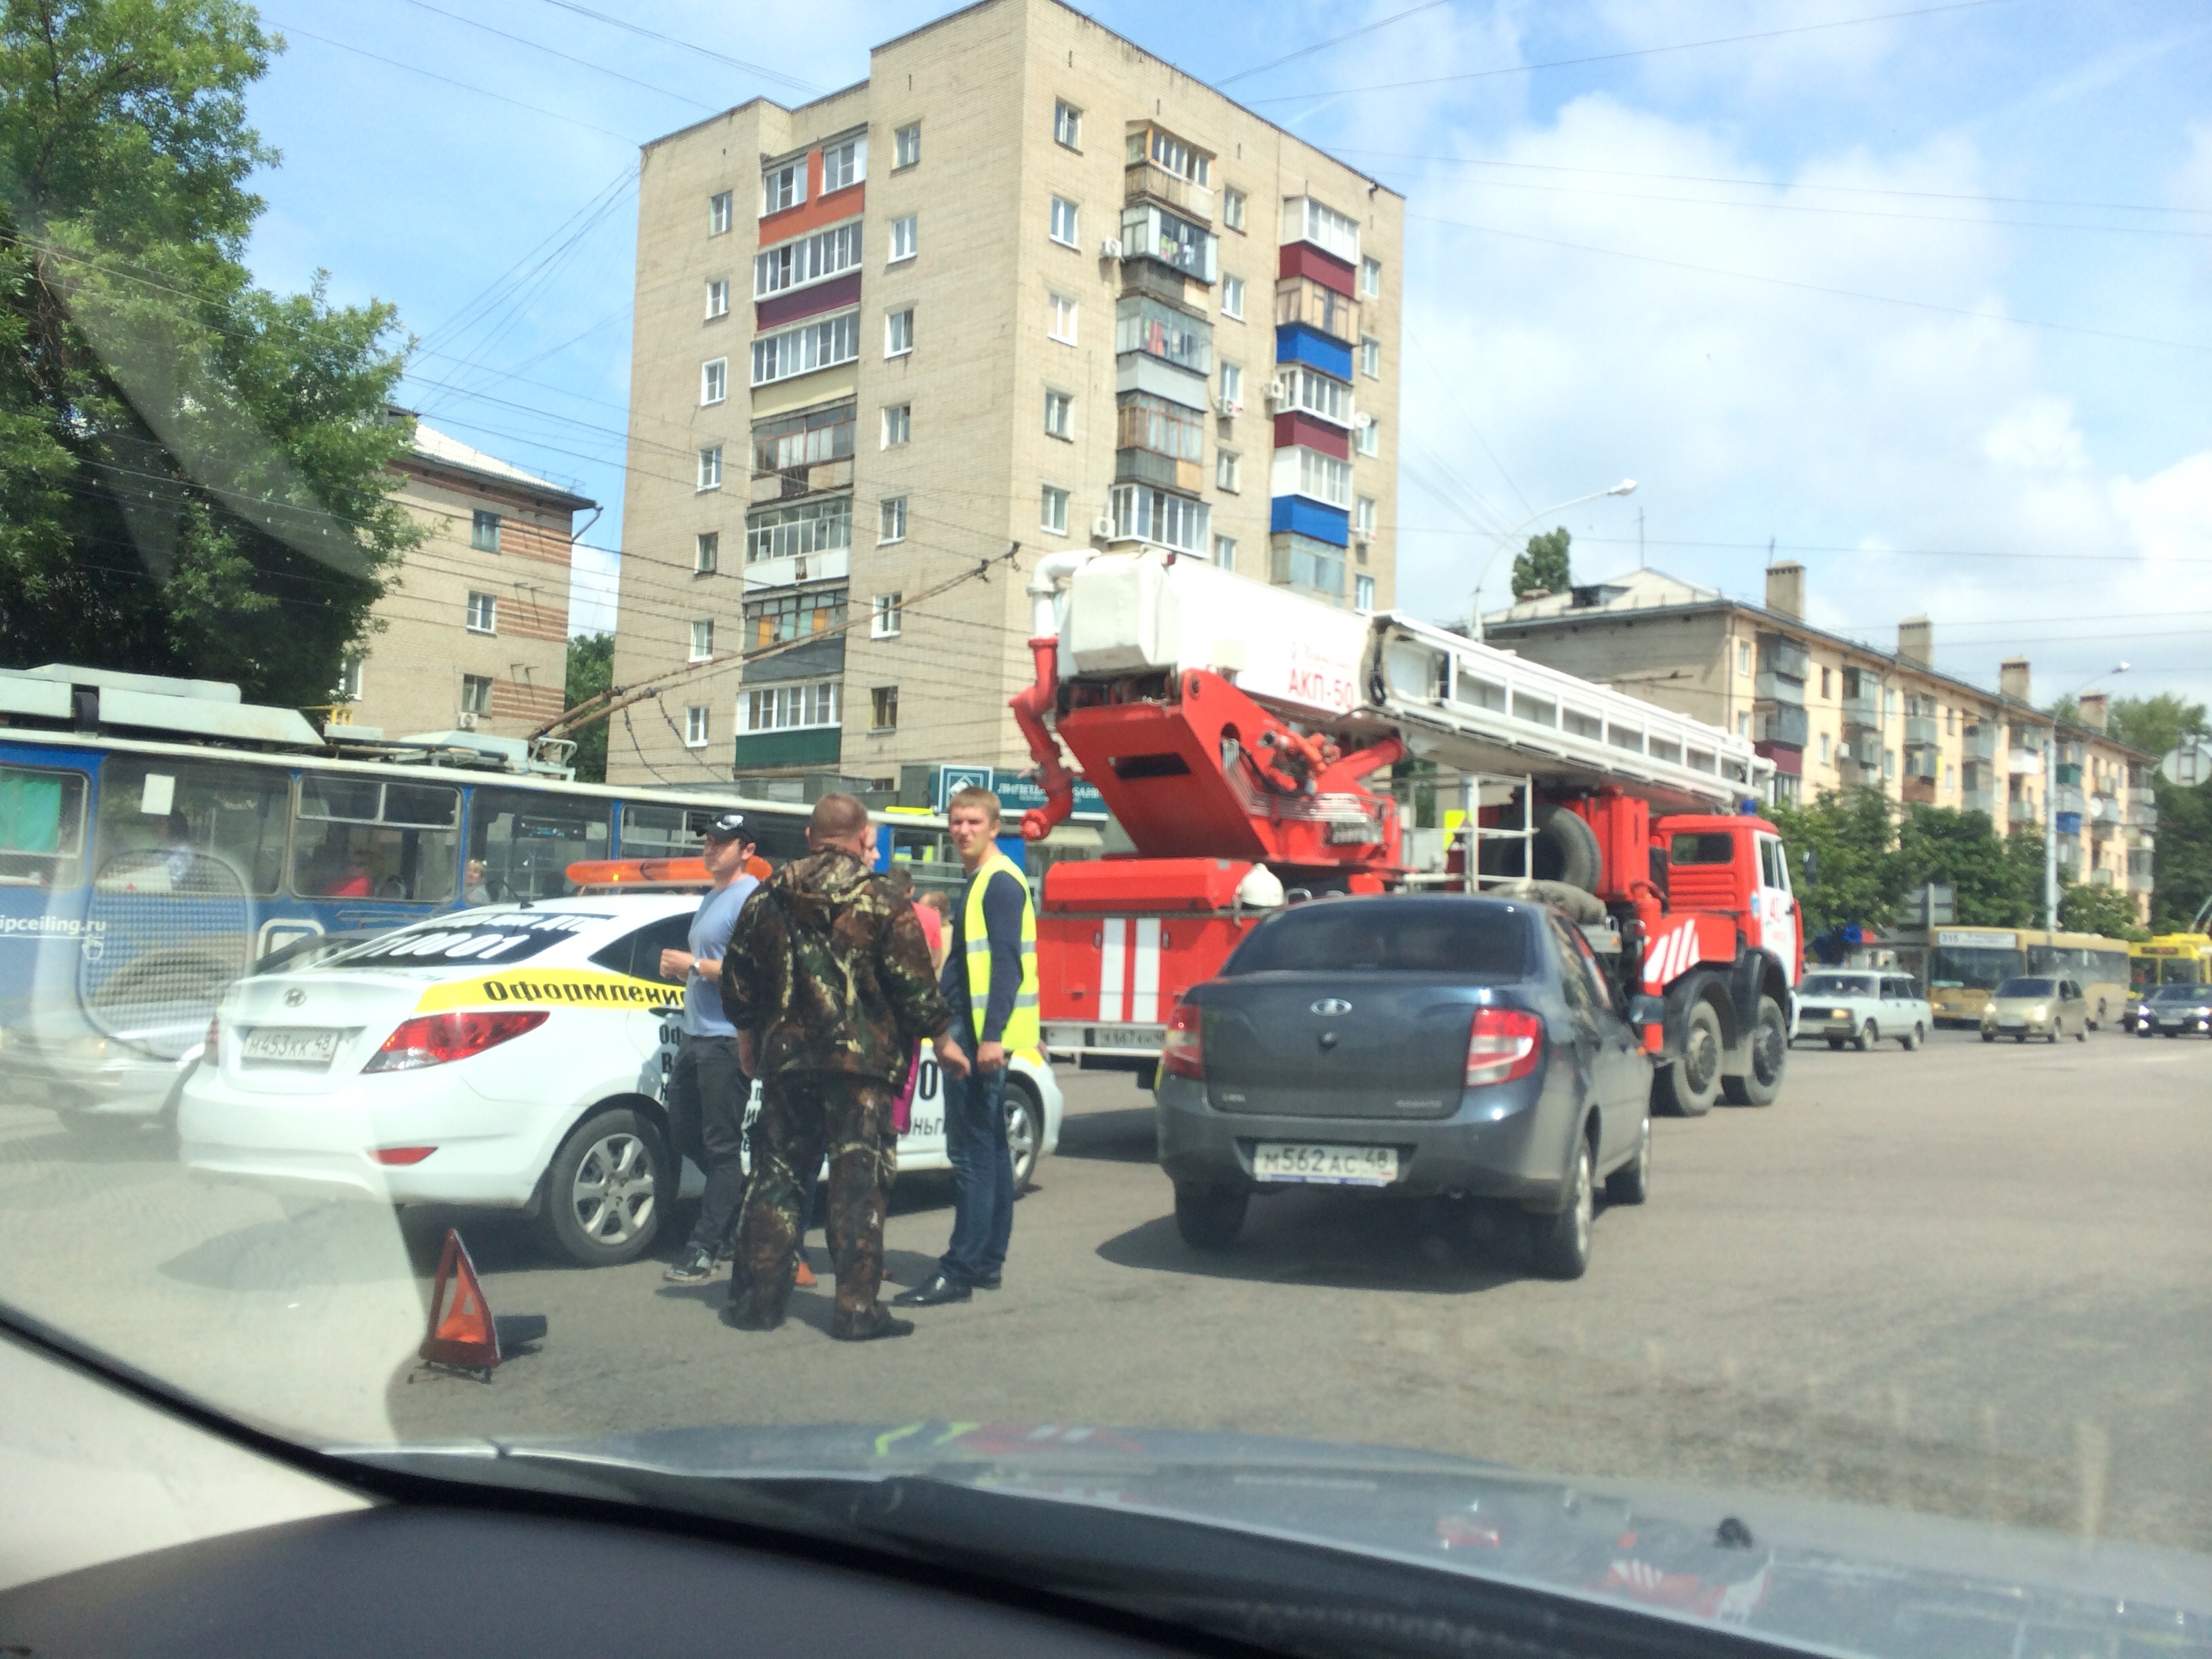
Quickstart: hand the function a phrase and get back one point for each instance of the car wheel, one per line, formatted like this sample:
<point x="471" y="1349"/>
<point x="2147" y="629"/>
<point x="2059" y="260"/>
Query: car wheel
<point x="2081" y="1034"/>
<point x="1024" y="1129"/>
<point x="1769" y="1054"/>
<point x="1631" y="1182"/>
<point x="1911" y="1040"/>
<point x="1989" y="1036"/>
<point x="603" y="1190"/>
<point x="1688" y="1086"/>
<point x="1869" y="1034"/>
<point x="1561" y="1244"/>
<point x="1207" y="1219"/>
<point x="2057" y="1030"/>
<point x="2170" y="1034"/>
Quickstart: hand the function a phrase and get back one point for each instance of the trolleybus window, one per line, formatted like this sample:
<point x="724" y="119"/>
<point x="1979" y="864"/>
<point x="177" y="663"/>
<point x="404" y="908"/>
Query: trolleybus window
<point x="364" y="838"/>
<point x="41" y="827"/>
<point x="1973" y="967"/>
<point x="233" y="817"/>
<point x="527" y="840"/>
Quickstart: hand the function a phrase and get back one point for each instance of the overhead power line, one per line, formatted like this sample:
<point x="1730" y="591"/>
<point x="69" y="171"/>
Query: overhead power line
<point x="1323" y="46"/>
<point x="553" y="52"/>
<point x="689" y="46"/>
<point x="467" y="87"/>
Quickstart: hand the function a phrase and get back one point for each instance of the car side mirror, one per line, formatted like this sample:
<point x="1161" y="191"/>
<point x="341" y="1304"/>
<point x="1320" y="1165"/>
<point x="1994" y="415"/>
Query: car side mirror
<point x="1644" y="1009"/>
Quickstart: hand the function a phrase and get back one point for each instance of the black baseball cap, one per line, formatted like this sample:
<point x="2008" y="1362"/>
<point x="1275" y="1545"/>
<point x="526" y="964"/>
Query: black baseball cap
<point x="727" y="826"/>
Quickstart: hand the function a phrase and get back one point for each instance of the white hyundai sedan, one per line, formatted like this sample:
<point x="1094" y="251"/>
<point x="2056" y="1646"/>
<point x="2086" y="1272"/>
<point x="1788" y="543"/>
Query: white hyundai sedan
<point x="510" y="1057"/>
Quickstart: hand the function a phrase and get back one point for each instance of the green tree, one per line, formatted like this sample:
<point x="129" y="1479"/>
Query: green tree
<point x="2157" y="724"/>
<point x="1857" y="874"/>
<point x="194" y="472"/>
<point x="2104" y="910"/>
<point x="590" y="672"/>
<point x="1998" y="879"/>
<point x="2181" y="862"/>
<point x="1544" y="565"/>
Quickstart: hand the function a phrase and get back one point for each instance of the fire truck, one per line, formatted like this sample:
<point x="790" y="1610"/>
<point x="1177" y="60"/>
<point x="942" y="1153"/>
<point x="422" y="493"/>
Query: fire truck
<point x="1241" y="735"/>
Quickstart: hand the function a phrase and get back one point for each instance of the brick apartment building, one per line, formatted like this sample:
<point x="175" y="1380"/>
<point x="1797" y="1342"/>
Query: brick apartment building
<point x="475" y="631"/>
<point x="1832" y="713"/>
<point x="1026" y="284"/>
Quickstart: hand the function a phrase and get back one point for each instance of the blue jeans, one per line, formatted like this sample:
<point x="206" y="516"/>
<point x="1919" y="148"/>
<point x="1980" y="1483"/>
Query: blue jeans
<point x="982" y="1171"/>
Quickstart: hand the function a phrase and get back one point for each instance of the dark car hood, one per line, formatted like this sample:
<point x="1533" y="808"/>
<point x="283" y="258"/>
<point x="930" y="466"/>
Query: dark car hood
<point x="1206" y="1507"/>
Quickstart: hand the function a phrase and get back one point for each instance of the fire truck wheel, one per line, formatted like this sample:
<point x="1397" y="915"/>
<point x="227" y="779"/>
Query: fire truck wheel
<point x="1207" y="1219"/>
<point x="1689" y="1086"/>
<point x="1770" y="1050"/>
<point x="1566" y="848"/>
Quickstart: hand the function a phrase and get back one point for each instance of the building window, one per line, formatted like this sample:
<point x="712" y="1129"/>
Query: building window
<point x="1225" y="466"/>
<point x="718" y="298"/>
<point x="898" y="425"/>
<point x="710" y="467"/>
<point x="706" y="552"/>
<point x="885" y="618"/>
<point x="1146" y="515"/>
<point x="1225" y="552"/>
<point x="783" y="187"/>
<point x="718" y="214"/>
<point x="794" y="441"/>
<point x="1174" y="336"/>
<point x="892" y="519"/>
<point x="713" y="380"/>
<point x="1371" y="356"/>
<point x="1888" y="764"/>
<point x="1067" y="125"/>
<point x="1743" y="723"/>
<point x="483" y="614"/>
<point x="785" y="707"/>
<point x="1232" y="297"/>
<point x="902" y="239"/>
<point x="483" y="531"/>
<point x="1300" y="562"/>
<point x="1308" y="472"/>
<point x="788" y="532"/>
<point x="348" y="689"/>
<point x="1824" y="748"/>
<point x="694" y="726"/>
<point x="1060" y="414"/>
<point x="807" y="260"/>
<point x="1363" y="593"/>
<point x="1370" y="278"/>
<point x="845" y="164"/>
<point x="1065" y="222"/>
<point x="702" y="638"/>
<point x="1151" y="231"/>
<point x="1147" y="420"/>
<point x="1824" y="690"/>
<point x="1053" y="511"/>
<point x="898" y="333"/>
<point x="1305" y="219"/>
<point x="1062" y="324"/>
<point x="1171" y="154"/>
<point x="882" y="709"/>
<point x="1363" y="516"/>
<point x="803" y="350"/>
<point x="1232" y="208"/>
<point x="1743" y="656"/>
<point x="475" y="694"/>
<point x="794" y="616"/>
<point x="1318" y="394"/>
<point x="906" y="146"/>
<point x="1367" y="435"/>
<point x="1233" y="386"/>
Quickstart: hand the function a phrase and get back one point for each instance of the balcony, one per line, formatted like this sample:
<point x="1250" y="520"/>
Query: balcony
<point x="1771" y="687"/>
<point x="1158" y="281"/>
<point x="1149" y="180"/>
<point x="2104" y="811"/>
<point x="1921" y="731"/>
<point x="2024" y="764"/>
<point x="1977" y="800"/>
<point x="2069" y="856"/>
<point x="1151" y="231"/>
<point x="2069" y="772"/>
<point x="1982" y="742"/>
<point x="2141" y="815"/>
<point x="1864" y="708"/>
<point x="2067" y="801"/>
<point x="1780" y="654"/>
<point x="1144" y="466"/>
<point x="2022" y="811"/>
<point x="2139" y="865"/>
<point x="785" y="483"/>
<point x="1301" y="299"/>
<point x="1784" y="723"/>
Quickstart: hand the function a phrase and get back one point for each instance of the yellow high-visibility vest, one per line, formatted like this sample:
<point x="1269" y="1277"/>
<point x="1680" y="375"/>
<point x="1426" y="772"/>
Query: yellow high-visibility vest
<point x="1023" y="1029"/>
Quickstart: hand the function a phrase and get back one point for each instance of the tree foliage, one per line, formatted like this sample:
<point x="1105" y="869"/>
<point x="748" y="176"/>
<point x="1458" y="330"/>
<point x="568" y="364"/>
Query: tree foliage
<point x="2181" y="865"/>
<point x="1544" y="565"/>
<point x="2157" y="724"/>
<point x="194" y="472"/>
<point x="1869" y="859"/>
<point x="590" y="672"/>
<point x="2104" y="910"/>
<point x="1998" y="877"/>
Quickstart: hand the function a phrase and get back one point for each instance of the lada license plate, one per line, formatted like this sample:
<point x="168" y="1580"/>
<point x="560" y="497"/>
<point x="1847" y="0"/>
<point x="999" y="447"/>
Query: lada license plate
<point x="287" y="1045"/>
<point x="1145" y="1038"/>
<point x="1332" y="1166"/>
<point x="2010" y="1023"/>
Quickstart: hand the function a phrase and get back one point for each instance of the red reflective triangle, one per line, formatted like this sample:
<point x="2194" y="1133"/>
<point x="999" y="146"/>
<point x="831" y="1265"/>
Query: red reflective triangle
<point x="466" y="1334"/>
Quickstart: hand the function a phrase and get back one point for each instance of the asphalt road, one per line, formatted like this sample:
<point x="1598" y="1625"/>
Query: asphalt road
<point x="1972" y="1280"/>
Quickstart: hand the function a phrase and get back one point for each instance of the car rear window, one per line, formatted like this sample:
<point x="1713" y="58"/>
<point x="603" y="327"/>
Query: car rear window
<point x="2025" y="987"/>
<point x="1412" y="935"/>
<point x="500" y="938"/>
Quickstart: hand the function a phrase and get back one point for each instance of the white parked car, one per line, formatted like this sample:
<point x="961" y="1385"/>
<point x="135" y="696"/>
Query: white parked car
<point x="1862" y="1007"/>
<point x="511" y="1057"/>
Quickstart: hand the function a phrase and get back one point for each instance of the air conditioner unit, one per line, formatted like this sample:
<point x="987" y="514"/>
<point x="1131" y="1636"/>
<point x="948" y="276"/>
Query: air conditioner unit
<point x="1227" y="405"/>
<point x="1103" y="527"/>
<point x="1363" y="542"/>
<point x="1110" y="248"/>
<point x="468" y="719"/>
<point x="1279" y="392"/>
<point x="1361" y="423"/>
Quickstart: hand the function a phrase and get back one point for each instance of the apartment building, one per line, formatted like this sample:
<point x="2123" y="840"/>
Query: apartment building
<point x="474" y="629"/>
<point x="1026" y="285"/>
<point x="1834" y="713"/>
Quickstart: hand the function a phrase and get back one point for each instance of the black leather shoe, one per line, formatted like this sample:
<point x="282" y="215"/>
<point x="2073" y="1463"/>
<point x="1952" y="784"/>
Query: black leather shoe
<point x="987" y="1284"/>
<point x="936" y="1290"/>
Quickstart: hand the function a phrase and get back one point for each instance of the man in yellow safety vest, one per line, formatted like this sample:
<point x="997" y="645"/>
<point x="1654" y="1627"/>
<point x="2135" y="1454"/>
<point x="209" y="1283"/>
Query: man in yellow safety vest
<point x="990" y="982"/>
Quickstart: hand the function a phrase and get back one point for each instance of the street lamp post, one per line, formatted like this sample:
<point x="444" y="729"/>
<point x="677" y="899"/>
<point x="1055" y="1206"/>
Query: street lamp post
<point x="2051" y="810"/>
<point x="1626" y="487"/>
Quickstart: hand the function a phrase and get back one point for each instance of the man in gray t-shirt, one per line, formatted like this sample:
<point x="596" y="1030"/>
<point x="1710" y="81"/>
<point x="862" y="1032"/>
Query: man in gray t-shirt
<point x="708" y="1089"/>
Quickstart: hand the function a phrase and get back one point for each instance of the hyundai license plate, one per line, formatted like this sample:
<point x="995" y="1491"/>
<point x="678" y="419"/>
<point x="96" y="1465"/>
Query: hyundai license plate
<point x="287" y="1045"/>
<point x="1329" y="1166"/>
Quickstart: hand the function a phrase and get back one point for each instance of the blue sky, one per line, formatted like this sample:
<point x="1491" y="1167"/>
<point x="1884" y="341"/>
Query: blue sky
<point x="1921" y="293"/>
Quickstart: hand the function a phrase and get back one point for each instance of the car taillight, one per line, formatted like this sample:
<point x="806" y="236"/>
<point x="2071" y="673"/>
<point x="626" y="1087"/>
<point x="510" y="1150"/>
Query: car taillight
<point x="212" y="1054"/>
<point x="1183" y="1053"/>
<point x="1502" y="1044"/>
<point x="433" y="1039"/>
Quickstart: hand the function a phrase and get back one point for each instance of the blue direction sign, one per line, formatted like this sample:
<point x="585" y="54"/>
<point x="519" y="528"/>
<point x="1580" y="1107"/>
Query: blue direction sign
<point x="1016" y="792"/>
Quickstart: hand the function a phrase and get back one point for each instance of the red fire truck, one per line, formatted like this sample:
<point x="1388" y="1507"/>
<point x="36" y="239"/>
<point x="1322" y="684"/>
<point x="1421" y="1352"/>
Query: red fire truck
<point x="1236" y="731"/>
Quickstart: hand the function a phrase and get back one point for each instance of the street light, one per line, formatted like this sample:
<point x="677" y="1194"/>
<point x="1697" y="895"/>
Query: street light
<point x="2050" y="808"/>
<point x="1626" y="487"/>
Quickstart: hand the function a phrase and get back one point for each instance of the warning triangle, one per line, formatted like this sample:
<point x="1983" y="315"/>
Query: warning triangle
<point x="465" y="1333"/>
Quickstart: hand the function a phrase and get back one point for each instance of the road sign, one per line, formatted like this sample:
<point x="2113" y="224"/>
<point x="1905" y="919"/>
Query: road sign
<point x="1017" y="791"/>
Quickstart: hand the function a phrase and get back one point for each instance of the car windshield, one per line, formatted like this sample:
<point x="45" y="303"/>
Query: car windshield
<point x="1505" y="926"/>
<point x="2181" y="993"/>
<point x="1407" y="935"/>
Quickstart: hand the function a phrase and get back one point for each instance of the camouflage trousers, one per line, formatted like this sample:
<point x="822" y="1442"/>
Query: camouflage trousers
<point x="802" y="1115"/>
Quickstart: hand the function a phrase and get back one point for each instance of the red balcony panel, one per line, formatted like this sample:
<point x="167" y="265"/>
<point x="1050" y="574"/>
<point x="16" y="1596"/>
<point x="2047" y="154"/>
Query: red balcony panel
<point x="1295" y="430"/>
<point x="832" y="295"/>
<point x="1304" y="259"/>
<point x="815" y="213"/>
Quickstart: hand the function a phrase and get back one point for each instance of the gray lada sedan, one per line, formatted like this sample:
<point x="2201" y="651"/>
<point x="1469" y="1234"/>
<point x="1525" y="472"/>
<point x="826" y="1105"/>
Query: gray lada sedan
<point x="1425" y="1045"/>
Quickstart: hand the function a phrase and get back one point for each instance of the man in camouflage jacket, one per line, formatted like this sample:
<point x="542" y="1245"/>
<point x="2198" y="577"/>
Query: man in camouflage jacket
<point x="828" y="983"/>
